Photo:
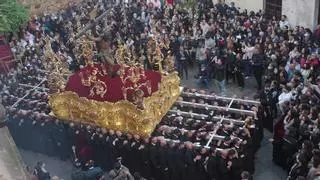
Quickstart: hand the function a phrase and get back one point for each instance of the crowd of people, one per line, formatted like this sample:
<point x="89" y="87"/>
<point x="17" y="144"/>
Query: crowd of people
<point x="223" y="43"/>
<point x="182" y="139"/>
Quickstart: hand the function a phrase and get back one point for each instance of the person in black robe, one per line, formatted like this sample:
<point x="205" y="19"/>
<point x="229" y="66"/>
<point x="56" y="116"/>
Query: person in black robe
<point x="127" y="152"/>
<point x="101" y="140"/>
<point x="200" y="164"/>
<point x="38" y="143"/>
<point x="223" y="167"/>
<point x="111" y="156"/>
<point x="118" y="145"/>
<point x="225" y="143"/>
<point x="97" y="147"/>
<point x="223" y="131"/>
<point x="135" y="164"/>
<point x="249" y="153"/>
<point x="154" y="159"/>
<point x="59" y="140"/>
<point x="48" y="128"/>
<point x="212" y="165"/>
<point x="234" y="164"/>
<point x="144" y="151"/>
<point x="163" y="160"/>
<point x="71" y="138"/>
<point x="182" y="168"/>
<point x="172" y="164"/>
<point x="190" y="162"/>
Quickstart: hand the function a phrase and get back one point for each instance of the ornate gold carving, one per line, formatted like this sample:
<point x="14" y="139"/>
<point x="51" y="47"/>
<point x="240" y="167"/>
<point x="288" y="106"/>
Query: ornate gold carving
<point x="122" y="115"/>
<point x="98" y="87"/>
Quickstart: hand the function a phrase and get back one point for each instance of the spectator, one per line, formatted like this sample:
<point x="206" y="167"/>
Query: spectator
<point x="120" y="172"/>
<point x="203" y="77"/>
<point x="245" y="175"/>
<point x="41" y="172"/>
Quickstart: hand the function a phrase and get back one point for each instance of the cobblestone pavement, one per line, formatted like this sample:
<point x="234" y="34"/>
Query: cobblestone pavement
<point x="264" y="167"/>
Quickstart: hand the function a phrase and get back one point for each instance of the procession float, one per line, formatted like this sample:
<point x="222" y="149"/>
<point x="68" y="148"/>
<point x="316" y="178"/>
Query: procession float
<point x="122" y="96"/>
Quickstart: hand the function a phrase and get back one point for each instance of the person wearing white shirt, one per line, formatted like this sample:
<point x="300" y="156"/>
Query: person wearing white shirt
<point x="209" y="43"/>
<point x="294" y="53"/>
<point x="284" y="23"/>
<point x="284" y="97"/>
<point x="23" y="43"/>
<point x="205" y="27"/>
<point x="247" y="57"/>
<point x="201" y="56"/>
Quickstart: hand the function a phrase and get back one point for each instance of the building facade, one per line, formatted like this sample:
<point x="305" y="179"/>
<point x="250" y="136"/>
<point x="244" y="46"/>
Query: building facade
<point x="299" y="12"/>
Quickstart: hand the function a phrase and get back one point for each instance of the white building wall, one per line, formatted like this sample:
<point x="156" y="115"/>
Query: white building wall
<point x="250" y="5"/>
<point x="301" y="12"/>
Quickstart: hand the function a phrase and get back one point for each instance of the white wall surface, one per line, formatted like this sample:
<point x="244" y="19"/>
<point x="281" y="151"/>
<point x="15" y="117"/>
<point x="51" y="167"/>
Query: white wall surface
<point x="250" y="5"/>
<point x="301" y="12"/>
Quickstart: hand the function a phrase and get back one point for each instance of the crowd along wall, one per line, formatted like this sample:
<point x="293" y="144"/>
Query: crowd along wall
<point x="301" y="12"/>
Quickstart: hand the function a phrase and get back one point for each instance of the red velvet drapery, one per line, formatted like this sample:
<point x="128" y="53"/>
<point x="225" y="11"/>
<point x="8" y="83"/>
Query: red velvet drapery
<point x="114" y="85"/>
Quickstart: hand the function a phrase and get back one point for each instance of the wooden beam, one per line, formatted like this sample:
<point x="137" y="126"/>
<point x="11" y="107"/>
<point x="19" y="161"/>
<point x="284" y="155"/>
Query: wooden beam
<point x="220" y="97"/>
<point x="203" y="116"/>
<point x="93" y="23"/>
<point x="206" y="106"/>
<point x="30" y="86"/>
<point x="28" y="92"/>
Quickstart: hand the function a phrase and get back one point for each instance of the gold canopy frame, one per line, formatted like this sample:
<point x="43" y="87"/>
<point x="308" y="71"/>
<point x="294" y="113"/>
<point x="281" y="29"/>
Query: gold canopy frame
<point x="122" y="115"/>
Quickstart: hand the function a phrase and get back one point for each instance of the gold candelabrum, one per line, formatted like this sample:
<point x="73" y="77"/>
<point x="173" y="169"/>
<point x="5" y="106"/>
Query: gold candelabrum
<point x="133" y="76"/>
<point x="132" y="72"/>
<point x="97" y="87"/>
<point x="87" y="50"/>
<point x="57" y="68"/>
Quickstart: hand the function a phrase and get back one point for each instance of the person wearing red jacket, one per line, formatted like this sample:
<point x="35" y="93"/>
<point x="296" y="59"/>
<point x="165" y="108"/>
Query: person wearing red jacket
<point x="170" y="2"/>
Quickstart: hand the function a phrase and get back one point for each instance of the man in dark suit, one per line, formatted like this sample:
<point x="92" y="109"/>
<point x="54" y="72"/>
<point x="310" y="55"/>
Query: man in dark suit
<point x="181" y="59"/>
<point x="257" y="65"/>
<point x="238" y="70"/>
<point x="203" y="77"/>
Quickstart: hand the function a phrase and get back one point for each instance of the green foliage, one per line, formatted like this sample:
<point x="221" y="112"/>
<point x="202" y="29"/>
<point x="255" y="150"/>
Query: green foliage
<point x="12" y="15"/>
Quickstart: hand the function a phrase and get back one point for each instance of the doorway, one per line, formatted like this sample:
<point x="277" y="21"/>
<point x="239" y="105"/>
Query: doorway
<point x="273" y="8"/>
